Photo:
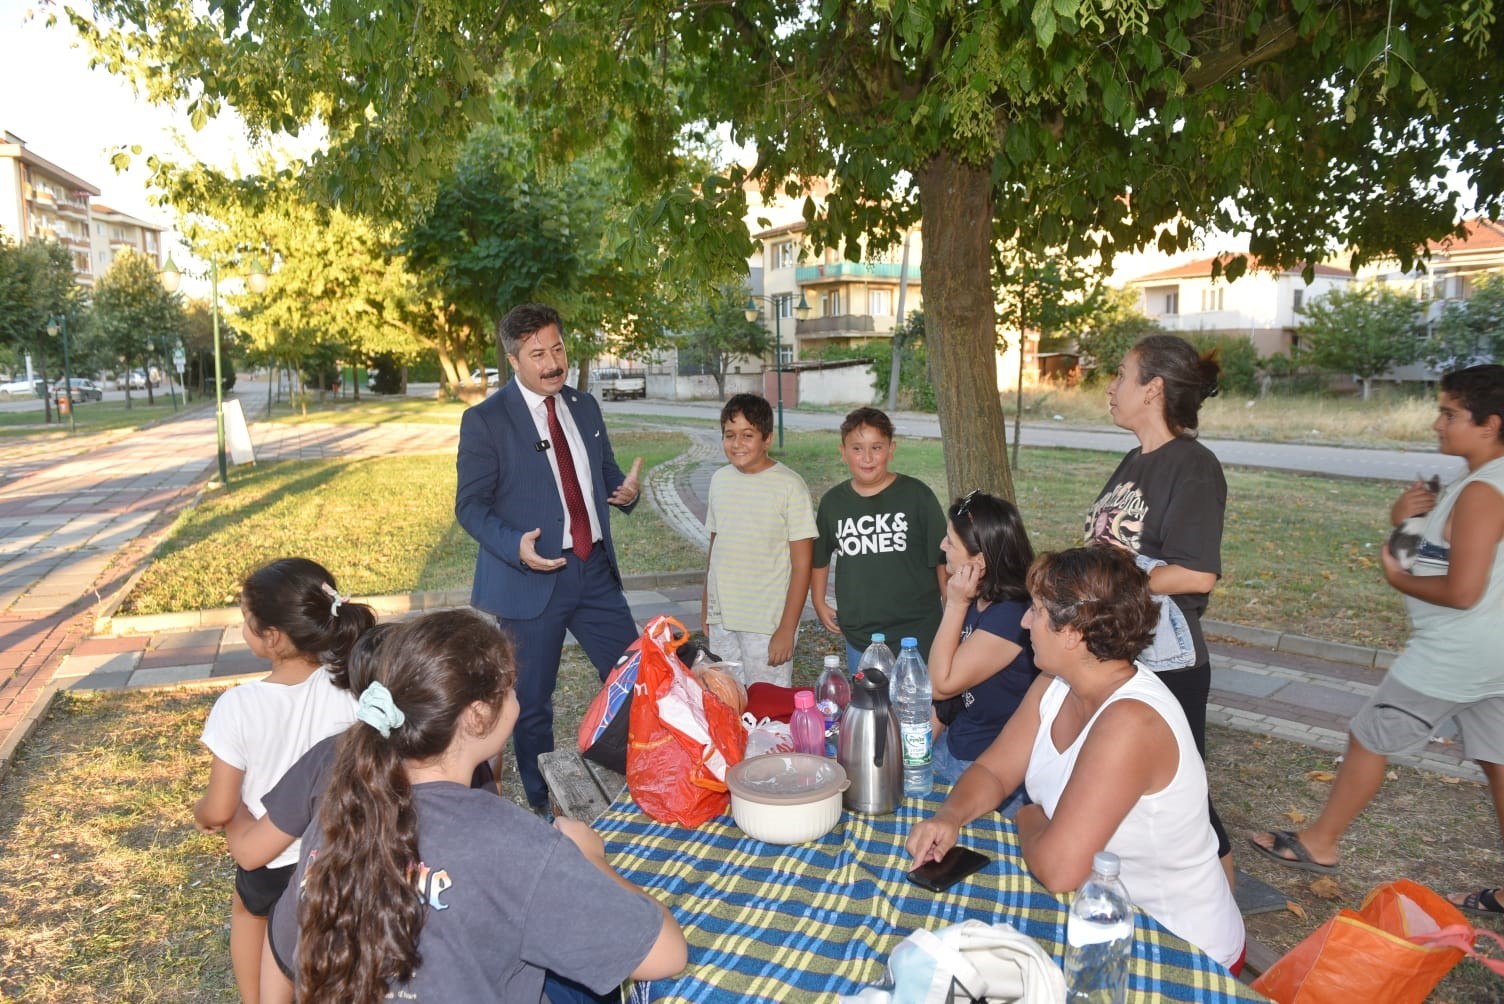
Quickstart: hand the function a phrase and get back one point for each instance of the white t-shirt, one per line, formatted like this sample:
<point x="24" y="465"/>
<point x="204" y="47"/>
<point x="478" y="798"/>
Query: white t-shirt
<point x="754" y="517"/>
<point x="263" y="728"/>
<point x="1166" y="843"/>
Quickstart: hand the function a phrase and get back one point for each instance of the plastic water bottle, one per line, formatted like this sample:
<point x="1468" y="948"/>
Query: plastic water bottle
<point x="877" y="656"/>
<point x="807" y="725"/>
<point x="1099" y="936"/>
<point x="912" y="702"/>
<point x="832" y="694"/>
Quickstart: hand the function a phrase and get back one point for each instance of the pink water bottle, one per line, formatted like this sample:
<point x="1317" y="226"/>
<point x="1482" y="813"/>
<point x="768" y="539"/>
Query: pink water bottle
<point x="807" y="725"/>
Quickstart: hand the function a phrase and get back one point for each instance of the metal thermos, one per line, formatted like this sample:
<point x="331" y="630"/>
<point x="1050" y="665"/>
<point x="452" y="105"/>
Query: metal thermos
<point x="868" y="748"/>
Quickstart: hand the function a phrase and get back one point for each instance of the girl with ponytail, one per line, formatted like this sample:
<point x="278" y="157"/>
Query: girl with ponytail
<point x="417" y="886"/>
<point x="295" y="617"/>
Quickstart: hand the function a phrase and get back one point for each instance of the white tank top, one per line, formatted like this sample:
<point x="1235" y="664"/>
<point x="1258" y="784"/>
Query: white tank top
<point x="1166" y="843"/>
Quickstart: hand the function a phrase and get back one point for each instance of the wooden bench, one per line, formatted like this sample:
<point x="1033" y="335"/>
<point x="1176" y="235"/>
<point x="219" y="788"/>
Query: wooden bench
<point x="577" y="788"/>
<point x="1257" y="960"/>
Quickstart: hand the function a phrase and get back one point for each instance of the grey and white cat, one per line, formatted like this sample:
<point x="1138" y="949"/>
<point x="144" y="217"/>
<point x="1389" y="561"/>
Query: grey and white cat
<point x="1404" y="540"/>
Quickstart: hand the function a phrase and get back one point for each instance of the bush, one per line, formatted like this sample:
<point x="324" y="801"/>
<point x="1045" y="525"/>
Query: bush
<point x="386" y="373"/>
<point x="1239" y="359"/>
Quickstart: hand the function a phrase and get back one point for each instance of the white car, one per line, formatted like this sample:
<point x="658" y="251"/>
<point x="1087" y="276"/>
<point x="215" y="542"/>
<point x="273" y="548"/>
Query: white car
<point x="20" y="388"/>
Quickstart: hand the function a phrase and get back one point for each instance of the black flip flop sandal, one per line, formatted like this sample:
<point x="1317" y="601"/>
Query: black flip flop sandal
<point x="1484" y="901"/>
<point x="1287" y="841"/>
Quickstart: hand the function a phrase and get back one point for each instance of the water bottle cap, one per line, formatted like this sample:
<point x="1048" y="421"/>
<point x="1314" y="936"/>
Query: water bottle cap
<point x="878" y="638"/>
<point x="1106" y="864"/>
<point x="832" y="662"/>
<point x="909" y="643"/>
<point x="805" y="699"/>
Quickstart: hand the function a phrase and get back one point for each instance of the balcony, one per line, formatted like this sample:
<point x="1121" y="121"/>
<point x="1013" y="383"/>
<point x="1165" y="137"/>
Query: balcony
<point x="852" y="271"/>
<point x="77" y="210"/>
<point x="837" y="325"/>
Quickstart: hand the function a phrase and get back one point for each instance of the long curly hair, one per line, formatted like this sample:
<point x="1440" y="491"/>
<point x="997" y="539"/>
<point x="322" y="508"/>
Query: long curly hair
<point x="360" y="915"/>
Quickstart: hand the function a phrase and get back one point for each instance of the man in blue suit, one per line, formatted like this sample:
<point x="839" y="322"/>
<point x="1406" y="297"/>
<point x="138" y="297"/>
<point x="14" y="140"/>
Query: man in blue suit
<point x="536" y="474"/>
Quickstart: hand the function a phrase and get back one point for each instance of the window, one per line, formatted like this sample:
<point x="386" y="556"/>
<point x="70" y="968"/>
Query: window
<point x="830" y="304"/>
<point x="1172" y="302"/>
<point x="785" y="354"/>
<point x="784" y="304"/>
<point x="1300" y="298"/>
<point x="784" y="255"/>
<point x="99" y="229"/>
<point x="880" y="302"/>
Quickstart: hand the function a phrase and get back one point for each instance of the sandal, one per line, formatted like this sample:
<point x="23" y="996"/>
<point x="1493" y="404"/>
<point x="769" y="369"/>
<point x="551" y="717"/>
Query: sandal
<point x="1483" y="901"/>
<point x="1290" y="852"/>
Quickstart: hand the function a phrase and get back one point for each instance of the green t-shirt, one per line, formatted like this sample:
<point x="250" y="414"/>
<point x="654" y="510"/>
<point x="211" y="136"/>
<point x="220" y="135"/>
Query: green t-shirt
<point x="886" y="548"/>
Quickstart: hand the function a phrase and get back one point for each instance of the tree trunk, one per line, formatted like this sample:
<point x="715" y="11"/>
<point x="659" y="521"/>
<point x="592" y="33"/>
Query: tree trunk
<point x="961" y="325"/>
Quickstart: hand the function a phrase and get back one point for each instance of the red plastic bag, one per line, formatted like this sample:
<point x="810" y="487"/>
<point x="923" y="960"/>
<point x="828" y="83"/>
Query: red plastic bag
<point x="682" y="739"/>
<point x="1394" y="950"/>
<point x="602" y="737"/>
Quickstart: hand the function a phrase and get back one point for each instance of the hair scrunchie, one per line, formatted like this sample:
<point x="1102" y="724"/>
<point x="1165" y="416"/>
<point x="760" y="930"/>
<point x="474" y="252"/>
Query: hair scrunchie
<point x="378" y="710"/>
<point x="335" y="599"/>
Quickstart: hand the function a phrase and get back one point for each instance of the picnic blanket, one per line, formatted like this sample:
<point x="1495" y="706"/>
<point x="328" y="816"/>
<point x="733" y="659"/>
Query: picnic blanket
<point x="771" y="923"/>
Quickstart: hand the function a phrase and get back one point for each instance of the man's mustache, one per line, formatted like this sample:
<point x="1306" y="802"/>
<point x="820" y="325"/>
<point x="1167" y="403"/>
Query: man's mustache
<point x="551" y="374"/>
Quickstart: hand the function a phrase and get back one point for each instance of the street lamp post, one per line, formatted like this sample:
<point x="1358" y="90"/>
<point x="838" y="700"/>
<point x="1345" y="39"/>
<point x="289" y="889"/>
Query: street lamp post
<point x="52" y="329"/>
<point x="801" y="312"/>
<point x="255" y="281"/>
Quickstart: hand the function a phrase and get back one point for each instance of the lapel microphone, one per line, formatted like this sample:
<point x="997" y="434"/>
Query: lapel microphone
<point x="541" y="446"/>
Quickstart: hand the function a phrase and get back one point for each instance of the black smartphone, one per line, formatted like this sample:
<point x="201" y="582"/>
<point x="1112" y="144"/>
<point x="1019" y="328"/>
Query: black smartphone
<point x="959" y="862"/>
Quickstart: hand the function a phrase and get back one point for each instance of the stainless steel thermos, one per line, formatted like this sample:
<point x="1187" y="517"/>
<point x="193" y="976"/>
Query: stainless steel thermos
<point x="868" y="748"/>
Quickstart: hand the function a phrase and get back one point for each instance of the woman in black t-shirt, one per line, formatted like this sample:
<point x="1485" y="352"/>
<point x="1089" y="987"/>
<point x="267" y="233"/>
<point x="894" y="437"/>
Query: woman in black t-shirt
<point x="1166" y="502"/>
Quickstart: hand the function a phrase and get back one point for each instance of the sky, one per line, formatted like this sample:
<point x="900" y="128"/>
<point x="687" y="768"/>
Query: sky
<point x="77" y="117"/>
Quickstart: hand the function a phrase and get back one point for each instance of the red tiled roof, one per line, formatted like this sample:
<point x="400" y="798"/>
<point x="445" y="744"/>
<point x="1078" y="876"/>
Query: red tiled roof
<point x="1202" y="269"/>
<point x="1480" y="235"/>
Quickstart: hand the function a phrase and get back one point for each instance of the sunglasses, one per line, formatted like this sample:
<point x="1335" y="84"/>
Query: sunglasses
<point x="964" y="509"/>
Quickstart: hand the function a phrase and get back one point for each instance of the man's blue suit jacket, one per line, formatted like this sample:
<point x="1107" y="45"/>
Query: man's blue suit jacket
<point x="507" y="488"/>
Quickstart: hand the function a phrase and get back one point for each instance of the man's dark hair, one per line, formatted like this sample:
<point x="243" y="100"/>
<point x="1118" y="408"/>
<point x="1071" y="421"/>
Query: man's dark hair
<point x="870" y="417"/>
<point x="523" y="322"/>
<point x="754" y="408"/>
<point x="1479" y="389"/>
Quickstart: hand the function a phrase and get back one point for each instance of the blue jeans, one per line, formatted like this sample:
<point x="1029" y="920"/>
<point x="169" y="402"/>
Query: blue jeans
<point x="558" y="990"/>
<point x="853" y="657"/>
<point x="949" y="768"/>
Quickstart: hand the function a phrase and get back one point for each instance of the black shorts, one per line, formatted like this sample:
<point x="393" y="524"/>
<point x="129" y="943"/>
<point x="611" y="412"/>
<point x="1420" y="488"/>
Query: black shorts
<point x="271" y="942"/>
<point x="259" y="888"/>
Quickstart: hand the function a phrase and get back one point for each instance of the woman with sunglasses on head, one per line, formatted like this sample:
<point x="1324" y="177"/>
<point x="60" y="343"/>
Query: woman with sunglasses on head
<point x="981" y="664"/>
<point x="1165" y="503"/>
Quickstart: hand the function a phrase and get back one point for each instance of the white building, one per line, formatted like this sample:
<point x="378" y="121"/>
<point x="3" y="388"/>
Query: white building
<point x="41" y="201"/>
<point x="1262" y="305"/>
<point x="111" y="232"/>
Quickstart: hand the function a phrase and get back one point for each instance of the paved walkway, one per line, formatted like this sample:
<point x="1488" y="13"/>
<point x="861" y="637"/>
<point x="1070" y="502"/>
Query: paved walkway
<point x="1290" y="692"/>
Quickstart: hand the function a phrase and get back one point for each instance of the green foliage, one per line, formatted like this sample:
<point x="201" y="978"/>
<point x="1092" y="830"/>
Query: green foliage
<point x="134" y="317"/>
<point x="1468" y="331"/>
<point x="1364" y="330"/>
<point x="1238" y="358"/>
<point x="916" y="390"/>
<point x="1107" y="334"/>
<point x="388" y="373"/>
<point x="719" y="333"/>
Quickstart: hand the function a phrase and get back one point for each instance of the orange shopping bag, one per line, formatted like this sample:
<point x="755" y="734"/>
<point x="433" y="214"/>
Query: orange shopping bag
<point x="1393" y="950"/>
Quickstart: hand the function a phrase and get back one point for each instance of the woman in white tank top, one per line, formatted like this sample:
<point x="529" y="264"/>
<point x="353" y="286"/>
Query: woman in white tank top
<point x="1106" y="755"/>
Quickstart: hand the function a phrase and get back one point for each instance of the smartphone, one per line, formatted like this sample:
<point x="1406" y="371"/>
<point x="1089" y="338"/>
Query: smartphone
<point x="958" y="863"/>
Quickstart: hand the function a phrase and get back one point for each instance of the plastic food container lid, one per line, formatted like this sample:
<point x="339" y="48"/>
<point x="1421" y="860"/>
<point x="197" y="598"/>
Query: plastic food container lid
<point x="786" y="778"/>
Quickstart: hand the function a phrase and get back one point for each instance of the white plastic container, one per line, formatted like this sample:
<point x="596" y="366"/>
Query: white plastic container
<point x="786" y="798"/>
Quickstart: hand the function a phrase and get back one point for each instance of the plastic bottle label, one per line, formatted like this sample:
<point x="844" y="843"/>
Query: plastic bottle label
<point x="916" y="744"/>
<point x="1081" y="932"/>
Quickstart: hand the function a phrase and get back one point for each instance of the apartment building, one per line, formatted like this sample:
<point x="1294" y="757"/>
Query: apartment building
<point x="111" y="232"/>
<point x="41" y="201"/>
<point x="850" y="302"/>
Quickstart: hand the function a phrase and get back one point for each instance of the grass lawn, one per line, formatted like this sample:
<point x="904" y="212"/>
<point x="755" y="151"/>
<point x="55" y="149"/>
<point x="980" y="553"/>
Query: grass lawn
<point x="107" y="892"/>
<point x="1299" y="552"/>
<point x="92" y="416"/>
<point x="371" y="409"/>
<point x="381" y="526"/>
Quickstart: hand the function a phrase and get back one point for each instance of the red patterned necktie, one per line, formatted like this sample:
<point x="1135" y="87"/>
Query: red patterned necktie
<point x="574" y="499"/>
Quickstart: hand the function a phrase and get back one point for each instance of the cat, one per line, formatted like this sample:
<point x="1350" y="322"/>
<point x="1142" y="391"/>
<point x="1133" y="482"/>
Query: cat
<point x="1404" y="540"/>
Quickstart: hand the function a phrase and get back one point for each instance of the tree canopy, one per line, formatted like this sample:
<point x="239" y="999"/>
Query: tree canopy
<point x="134" y="317"/>
<point x="1084" y="125"/>
<point x="1366" y="330"/>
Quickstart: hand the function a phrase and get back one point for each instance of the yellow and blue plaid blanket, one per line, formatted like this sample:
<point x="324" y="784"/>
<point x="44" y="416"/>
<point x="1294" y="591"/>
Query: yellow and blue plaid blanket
<point x="772" y="923"/>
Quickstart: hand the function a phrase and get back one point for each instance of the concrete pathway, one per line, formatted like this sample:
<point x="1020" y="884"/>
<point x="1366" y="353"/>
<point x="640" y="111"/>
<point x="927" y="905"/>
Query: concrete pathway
<point x="62" y="542"/>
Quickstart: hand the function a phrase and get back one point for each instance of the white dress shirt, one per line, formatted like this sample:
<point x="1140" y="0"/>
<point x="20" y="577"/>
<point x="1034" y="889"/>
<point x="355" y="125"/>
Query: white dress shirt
<point x="539" y="410"/>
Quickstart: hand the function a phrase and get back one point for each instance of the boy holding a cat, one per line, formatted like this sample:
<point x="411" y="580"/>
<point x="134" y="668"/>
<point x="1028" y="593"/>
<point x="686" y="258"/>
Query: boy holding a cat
<point x="1454" y="593"/>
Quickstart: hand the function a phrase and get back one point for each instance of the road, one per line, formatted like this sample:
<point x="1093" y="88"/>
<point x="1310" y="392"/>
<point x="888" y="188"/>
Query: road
<point x="1334" y="461"/>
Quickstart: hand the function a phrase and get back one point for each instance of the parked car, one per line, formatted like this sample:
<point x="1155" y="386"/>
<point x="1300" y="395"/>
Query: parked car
<point x="82" y="390"/>
<point x="613" y="384"/>
<point x="20" y="388"/>
<point x="493" y="377"/>
<point x="136" y="380"/>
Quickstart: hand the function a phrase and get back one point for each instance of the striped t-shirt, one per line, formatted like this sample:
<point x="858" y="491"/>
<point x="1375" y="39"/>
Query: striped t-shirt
<point x="753" y="517"/>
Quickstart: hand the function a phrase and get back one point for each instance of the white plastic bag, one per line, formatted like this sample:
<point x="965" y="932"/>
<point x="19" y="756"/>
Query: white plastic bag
<point x="767" y="736"/>
<point x="971" y="960"/>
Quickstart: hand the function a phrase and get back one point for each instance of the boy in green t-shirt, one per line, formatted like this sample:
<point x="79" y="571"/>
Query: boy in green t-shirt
<point x="886" y="529"/>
